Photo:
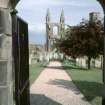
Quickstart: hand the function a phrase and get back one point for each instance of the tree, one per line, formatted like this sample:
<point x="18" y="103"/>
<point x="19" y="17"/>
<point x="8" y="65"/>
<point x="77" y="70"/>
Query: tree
<point x="86" y="39"/>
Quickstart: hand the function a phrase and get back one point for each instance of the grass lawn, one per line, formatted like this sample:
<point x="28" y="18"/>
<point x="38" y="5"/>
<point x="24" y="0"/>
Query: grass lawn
<point x="89" y="82"/>
<point x="35" y="71"/>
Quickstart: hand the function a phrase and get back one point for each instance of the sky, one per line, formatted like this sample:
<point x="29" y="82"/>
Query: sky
<point x="34" y="12"/>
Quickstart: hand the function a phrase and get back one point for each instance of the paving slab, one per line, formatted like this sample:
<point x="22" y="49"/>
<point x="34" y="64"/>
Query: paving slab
<point x="55" y="87"/>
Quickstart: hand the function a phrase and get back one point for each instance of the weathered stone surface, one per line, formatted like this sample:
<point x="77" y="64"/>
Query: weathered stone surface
<point x="8" y="3"/>
<point x="3" y="72"/>
<point x="6" y="61"/>
<point x="4" y="3"/>
<point x="3" y="96"/>
<point x="5" y="22"/>
<point x="6" y="95"/>
<point x="6" y="73"/>
<point x="51" y="35"/>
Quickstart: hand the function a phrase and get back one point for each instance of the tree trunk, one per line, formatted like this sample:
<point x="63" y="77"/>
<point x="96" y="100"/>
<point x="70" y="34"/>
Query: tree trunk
<point x="89" y="59"/>
<point x="102" y="62"/>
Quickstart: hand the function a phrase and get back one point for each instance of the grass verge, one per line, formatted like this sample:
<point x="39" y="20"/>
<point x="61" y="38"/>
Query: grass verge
<point x="89" y="82"/>
<point x="35" y="71"/>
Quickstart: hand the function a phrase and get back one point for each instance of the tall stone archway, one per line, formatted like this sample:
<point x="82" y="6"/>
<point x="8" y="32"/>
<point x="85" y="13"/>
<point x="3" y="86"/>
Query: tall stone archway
<point x="50" y="37"/>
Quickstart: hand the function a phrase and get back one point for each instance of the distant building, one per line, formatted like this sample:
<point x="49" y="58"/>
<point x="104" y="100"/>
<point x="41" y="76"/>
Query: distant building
<point x="94" y="16"/>
<point x="54" y="30"/>
<point x="98" y="62"/>
<point x="36" y="53"/>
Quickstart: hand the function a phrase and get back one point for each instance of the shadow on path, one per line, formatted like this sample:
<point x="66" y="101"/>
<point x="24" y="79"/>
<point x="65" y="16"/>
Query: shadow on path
<point x="73" y="67"/>
<point x="89" y="89"/>
<point x="55" y="67"/>
<point x="65" y="67"/>
<point x="40" y="99"/>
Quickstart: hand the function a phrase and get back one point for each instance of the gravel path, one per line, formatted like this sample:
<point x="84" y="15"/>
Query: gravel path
<point x="55" y="87"/>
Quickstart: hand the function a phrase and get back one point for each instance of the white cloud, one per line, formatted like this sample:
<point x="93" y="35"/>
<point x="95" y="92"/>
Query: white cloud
<point x="34" y="11"/>
<point x="80" y="3"/>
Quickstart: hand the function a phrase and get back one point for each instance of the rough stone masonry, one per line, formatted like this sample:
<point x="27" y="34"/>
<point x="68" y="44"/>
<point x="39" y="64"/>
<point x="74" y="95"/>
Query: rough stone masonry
<point x="6" y="68"/>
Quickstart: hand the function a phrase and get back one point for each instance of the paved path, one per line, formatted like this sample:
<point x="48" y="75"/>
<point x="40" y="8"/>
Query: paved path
<point x="55" y="87"/>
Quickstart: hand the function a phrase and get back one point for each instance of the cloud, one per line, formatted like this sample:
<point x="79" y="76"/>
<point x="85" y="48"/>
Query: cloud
<point x="34" y="11"/>
<point x="47" y="3"/>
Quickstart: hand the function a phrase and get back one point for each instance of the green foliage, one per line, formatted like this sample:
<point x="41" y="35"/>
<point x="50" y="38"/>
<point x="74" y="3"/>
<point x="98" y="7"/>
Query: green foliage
<point x="86" y="39"/>
<point x="83" y="40"/>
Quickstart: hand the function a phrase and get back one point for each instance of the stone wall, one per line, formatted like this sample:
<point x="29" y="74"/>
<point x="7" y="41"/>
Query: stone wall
<point x="6" y="73"/>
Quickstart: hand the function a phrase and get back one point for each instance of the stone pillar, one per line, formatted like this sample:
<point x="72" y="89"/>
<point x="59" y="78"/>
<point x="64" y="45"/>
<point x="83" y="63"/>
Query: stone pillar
<point x="103" y="100"/>
<point x="6" y="80"/>
<point x="102" y="2"/>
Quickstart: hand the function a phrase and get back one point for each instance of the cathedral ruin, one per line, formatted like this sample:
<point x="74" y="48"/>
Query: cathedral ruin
<point x="51" y="36"/>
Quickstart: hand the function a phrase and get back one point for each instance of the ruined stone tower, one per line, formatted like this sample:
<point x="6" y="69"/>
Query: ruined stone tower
<point x="50" y="34"/>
